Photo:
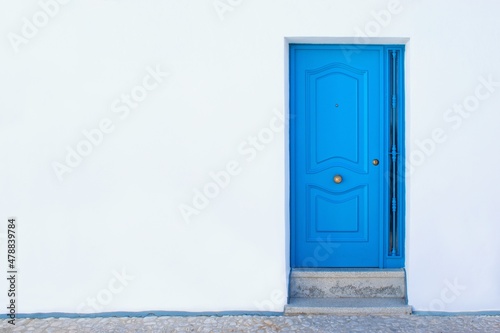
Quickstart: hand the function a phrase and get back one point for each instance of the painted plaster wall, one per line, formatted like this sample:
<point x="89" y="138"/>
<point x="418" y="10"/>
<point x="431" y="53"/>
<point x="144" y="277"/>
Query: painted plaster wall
<point x="105" y="231"/>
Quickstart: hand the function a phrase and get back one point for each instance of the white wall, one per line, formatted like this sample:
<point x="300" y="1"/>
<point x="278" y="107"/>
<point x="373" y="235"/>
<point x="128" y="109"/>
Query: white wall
<point x="118" y="210"/>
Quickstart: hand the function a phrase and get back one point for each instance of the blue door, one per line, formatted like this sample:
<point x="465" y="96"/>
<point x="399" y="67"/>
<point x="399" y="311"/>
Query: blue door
<point x="340" y="138"/>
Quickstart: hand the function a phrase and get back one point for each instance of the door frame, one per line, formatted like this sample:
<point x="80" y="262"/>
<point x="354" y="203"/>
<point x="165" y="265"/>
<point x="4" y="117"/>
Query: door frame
<point x="386" y="260"/>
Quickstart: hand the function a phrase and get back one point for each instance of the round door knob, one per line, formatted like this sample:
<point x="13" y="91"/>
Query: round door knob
<point x="337" y="179"/>
<point x="375" y="162"/>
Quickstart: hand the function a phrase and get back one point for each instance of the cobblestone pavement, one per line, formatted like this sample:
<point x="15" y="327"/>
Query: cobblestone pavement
<point x="489" y="324"/>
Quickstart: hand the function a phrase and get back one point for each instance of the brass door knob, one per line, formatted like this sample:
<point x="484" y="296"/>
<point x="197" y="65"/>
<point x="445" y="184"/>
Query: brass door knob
<point x="337" y="179"/>
<point x="375" y="162"/>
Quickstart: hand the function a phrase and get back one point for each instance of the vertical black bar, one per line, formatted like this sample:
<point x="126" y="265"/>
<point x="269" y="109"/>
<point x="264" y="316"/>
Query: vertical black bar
<point x="393" y="228"/>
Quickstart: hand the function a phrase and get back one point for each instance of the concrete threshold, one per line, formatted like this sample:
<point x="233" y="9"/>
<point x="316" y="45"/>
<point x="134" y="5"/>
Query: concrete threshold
<point x="347" y="306"/>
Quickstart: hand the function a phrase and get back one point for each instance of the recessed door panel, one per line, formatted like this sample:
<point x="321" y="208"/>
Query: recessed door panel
<point x="336" y="111"/>
<point x="338" y="216"/>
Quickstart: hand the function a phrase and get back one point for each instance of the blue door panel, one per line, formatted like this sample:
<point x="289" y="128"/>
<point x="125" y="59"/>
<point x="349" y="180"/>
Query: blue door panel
<point x="337" y="215"/>
<point x="337" y="130"/>
<point x="325" y="126"/>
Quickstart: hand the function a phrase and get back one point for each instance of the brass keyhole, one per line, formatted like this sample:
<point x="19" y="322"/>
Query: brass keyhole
<point x="337" y="179"/>
<point x="375" y="162"/>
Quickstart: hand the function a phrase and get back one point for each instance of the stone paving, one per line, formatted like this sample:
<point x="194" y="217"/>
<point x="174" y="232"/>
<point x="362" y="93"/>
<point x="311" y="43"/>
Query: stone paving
<point x="205" y="324"/>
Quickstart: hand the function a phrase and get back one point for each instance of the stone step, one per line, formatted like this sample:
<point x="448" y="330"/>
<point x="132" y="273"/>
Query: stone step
<point x="345" y="282"/>
<point x="347" y="306"/>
